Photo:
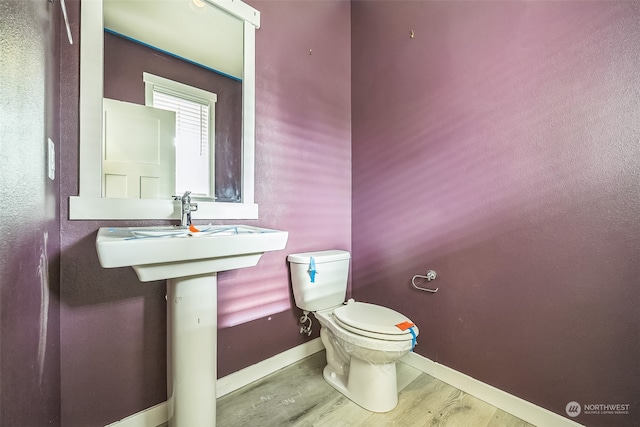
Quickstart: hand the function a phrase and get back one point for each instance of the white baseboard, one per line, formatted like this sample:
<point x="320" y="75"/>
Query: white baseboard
<point x="150" y="417"/>
<point x="158" y="414"/>
<point x="516" y="406"/>
<point x="245" y="376"/>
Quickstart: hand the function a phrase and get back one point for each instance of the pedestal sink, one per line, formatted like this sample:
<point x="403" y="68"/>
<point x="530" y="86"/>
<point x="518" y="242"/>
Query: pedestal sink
<point x="189" y="261"/>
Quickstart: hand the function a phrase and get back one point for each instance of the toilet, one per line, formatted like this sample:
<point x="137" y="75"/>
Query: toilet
<point x="363" y="341"/>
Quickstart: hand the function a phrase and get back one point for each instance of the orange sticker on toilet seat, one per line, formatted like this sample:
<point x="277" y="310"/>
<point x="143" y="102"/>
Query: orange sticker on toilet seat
<point x="405" y="325"/>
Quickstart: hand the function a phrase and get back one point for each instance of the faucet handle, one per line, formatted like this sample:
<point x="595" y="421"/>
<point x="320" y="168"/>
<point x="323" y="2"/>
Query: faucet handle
<point x="186" y="202"/>
<point x="182" y="197"/>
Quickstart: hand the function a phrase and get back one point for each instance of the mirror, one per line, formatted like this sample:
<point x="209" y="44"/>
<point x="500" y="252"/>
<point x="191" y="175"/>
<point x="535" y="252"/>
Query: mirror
<point x="156" y="58"/>
<point x="234" y="167"/>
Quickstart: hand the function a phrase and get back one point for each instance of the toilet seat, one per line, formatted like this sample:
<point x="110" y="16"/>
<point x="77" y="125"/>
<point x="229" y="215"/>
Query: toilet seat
<point x="328" y="320"/>
<point x="373" y="321"/>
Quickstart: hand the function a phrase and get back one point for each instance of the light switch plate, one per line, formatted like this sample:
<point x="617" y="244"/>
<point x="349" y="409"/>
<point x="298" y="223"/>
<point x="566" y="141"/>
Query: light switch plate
<point x="51" y="159"/>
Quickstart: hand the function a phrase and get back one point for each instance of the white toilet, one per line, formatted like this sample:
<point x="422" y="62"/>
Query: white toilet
<point x="363" y="341"/>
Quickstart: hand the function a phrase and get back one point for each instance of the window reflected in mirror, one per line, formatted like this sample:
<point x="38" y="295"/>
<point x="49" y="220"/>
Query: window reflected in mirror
<point x="195" y="115"/>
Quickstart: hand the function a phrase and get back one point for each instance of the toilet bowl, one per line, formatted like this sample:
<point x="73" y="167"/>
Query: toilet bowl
<point x="362" y="341"/>
<point x="361" y="363"/>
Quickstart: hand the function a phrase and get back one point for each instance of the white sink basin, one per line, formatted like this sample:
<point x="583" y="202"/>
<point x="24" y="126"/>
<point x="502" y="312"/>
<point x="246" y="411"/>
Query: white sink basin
<point x="157" y="253"/>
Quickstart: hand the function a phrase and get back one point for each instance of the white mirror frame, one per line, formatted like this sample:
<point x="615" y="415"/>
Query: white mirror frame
<point x="90" y="204"/>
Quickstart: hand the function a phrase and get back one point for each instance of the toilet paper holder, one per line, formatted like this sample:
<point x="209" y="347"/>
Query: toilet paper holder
<point x="431" y="275"/>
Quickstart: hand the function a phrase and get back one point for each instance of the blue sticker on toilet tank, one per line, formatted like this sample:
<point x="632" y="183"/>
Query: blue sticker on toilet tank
<point x="312" y="269"/>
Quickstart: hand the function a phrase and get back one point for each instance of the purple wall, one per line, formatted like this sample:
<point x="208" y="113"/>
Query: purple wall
<point x="29" y="229"/>
<point x="500" y="147"/>
<point x="112" y="326"/>
<point x="505" y="159"/>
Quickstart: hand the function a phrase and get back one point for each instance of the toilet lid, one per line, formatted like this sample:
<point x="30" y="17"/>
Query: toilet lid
<point x="372" y="318"/>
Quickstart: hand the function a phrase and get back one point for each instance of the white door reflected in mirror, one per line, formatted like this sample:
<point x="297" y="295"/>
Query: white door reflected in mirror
<point x="138" y="151"/>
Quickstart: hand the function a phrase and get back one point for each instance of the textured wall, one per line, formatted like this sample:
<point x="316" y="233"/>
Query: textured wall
<point x="113" y="327"/>
<point x="29" y="218"/>
<point x="501" y="147"/>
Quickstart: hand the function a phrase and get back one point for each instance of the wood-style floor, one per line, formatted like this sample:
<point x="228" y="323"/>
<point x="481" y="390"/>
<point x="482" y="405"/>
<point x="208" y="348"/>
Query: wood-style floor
<point x="298" y="396"/>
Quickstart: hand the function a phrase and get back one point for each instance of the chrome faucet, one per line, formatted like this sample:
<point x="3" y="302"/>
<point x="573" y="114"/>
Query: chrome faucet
<point x="187" y="208"/>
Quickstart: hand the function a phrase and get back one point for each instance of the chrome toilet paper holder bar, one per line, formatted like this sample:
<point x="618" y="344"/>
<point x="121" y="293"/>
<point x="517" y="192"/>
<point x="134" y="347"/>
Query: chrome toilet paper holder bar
<point x="431" y="275"/>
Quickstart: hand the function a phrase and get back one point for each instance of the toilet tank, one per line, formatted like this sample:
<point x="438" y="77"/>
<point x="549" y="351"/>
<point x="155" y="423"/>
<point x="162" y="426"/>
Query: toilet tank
<point x="327" y="287"/>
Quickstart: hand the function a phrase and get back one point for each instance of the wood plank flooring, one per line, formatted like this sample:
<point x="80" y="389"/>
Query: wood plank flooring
<point x="299" y="396"/>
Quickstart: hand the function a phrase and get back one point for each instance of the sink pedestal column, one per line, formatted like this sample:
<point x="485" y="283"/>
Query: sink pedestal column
<point x="191" y="350"/>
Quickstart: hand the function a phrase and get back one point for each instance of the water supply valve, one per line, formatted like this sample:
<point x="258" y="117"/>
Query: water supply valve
<point x="305" y="329"/>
